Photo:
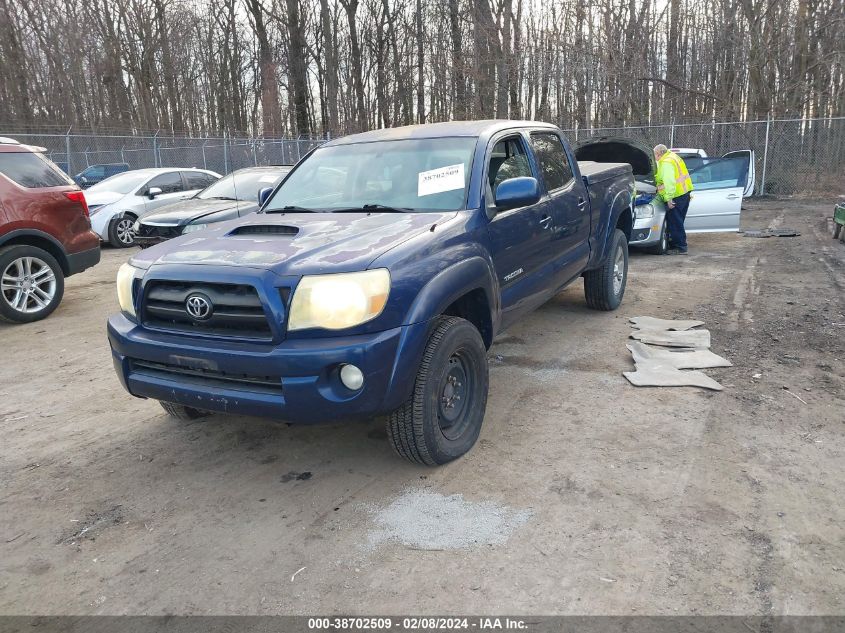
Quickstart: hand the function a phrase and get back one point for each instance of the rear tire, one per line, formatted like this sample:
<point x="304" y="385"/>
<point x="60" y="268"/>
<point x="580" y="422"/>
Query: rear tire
<point x="120" y="231"/>
<point x="181" y="412"/>
<point x="31" y="284"/>
<point x="604" y="287"/>
<point x="441" y="420"/>
<point x="663" y="245"/>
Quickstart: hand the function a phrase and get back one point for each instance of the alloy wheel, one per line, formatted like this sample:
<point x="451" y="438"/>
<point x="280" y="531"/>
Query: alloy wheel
<point x="124" y="231"/>
<point x="28" y="284"/>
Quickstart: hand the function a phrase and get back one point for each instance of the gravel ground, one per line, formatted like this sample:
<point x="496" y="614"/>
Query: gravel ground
<point x="584" y="495"/>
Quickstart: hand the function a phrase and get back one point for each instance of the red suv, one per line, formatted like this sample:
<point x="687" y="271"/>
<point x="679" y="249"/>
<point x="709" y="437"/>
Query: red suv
<point x="45" y="233"/>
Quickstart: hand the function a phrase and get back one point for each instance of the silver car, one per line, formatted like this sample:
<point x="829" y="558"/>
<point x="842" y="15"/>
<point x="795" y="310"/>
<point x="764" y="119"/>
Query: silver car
<point x="719" y="184"/>
<point x="116" y="202"/>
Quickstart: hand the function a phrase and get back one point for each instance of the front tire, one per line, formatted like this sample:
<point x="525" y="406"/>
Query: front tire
<point x="442" y="418"/>
<point x="31" y="284"/>
<point x="604" y="287"/>
<point x="181" y="412"/>
<point x="120" y="231"/>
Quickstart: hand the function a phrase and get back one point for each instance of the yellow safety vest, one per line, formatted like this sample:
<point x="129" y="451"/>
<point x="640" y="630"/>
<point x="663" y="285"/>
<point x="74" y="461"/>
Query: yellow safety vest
<point x="682" y="181"/>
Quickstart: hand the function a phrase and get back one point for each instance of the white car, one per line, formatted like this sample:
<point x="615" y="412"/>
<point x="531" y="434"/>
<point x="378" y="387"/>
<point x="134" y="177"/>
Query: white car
<point x="719" y="185"/>
<point x="116" y="202"/>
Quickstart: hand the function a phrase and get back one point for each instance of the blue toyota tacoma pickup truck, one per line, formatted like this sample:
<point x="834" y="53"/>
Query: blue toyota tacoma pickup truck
<point x="373" y="281"/>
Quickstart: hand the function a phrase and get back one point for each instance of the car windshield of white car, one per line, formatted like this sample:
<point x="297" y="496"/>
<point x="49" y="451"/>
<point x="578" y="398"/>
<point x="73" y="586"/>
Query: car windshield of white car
<point x="121" y="183"/>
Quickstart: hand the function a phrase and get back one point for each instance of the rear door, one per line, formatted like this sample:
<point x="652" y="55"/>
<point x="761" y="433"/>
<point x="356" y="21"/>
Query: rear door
<point x="520" y="239"/>
<point x="565" y="201"/>
<point x="750" y="181"/>
<point x="718" y="186"/>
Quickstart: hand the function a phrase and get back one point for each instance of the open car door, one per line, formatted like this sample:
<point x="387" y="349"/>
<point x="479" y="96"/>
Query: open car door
<point x="718" y="187"/>
<point x="747" y="155"/>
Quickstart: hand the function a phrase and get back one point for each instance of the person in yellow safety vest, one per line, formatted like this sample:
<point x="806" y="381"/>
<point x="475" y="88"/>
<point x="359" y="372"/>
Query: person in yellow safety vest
<point x="673" y="186"/>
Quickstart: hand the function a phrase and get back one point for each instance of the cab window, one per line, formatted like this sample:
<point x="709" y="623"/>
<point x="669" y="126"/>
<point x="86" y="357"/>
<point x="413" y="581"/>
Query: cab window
<point x="507" y="160"/>
<point x="554" y="163"/>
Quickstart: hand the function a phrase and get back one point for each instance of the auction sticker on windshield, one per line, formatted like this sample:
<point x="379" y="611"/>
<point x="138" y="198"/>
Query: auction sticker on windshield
<point x="441" y="179"/>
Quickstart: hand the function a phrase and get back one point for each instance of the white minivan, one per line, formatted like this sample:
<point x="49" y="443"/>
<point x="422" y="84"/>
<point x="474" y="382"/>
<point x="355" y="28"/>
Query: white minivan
<point x="116" y="202"/>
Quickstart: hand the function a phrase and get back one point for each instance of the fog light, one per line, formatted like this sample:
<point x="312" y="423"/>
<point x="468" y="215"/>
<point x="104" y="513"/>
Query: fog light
<point x="351" y="377"/>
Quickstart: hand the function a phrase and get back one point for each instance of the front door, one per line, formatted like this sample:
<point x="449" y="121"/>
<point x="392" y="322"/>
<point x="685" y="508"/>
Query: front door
<point x="520" y="239"/>
<point x="718" y="187"/>
<point x="172" y="189"/>
<point x="750" y="181"/>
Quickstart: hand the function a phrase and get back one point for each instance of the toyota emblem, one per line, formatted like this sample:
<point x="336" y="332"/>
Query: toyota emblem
<point x="198" y="307"/>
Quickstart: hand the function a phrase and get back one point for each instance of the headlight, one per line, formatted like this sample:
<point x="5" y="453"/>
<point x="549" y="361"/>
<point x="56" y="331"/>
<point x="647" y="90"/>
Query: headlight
<point x="335" y="302"/>
<point x="126" y="276"/>
<point x="193" y="227"/>
<point x="644" y="211"/>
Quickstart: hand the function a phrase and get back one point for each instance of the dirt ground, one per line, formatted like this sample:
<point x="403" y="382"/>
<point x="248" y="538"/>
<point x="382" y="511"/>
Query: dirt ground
<point x="584" y="495"/>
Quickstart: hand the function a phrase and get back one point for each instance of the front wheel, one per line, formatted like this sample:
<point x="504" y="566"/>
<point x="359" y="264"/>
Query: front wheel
<point x="442" y="419"/>
<point x="604" y="287"/>
<point x="31" y="284"/>
<point x="121" y="233"/>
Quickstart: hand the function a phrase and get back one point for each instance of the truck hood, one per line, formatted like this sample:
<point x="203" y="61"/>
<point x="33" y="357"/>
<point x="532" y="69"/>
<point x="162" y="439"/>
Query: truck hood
<point x="294" y="243"/>
<point x="607" y="149"/>
<point x="193" y="209"/>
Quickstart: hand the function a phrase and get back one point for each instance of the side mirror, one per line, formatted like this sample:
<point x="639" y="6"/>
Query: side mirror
<point x="152" y="192"/>
<point x="263" y="194"/>
<point x="517" y="192"/>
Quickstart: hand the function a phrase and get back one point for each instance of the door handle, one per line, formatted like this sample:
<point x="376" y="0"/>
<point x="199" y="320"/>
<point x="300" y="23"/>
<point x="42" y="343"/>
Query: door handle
<point x="546" y="221"/>
<point x="732" y="196"/>
<point x="581" y="201"/>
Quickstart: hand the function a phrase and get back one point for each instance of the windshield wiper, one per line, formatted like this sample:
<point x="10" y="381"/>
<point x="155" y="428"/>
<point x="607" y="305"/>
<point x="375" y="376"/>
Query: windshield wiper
<point x="292" y="208"/>
<point x="222" y="198"/>
<point x="372" y="207"/>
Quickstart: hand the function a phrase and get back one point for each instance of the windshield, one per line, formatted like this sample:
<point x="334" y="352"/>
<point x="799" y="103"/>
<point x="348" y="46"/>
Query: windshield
<point x="410" y="175"/>
<point x="243" y="185"/>
<point x="121" y="183"/>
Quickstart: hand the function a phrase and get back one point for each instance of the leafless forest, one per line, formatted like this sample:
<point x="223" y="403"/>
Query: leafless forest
<point x="307" y="67"/>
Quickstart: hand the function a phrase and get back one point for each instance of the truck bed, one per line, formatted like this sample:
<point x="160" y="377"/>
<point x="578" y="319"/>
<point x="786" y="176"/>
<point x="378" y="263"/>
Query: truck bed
<point x="594" y="172"/>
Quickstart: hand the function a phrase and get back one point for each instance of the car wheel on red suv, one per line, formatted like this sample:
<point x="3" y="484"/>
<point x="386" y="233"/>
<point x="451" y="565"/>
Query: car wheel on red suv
<point x="45" y="233"/>
<point x="31" y="283"/>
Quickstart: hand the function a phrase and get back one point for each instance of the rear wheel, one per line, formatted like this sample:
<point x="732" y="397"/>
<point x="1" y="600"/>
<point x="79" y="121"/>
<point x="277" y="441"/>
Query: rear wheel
<point x="604" y="287"/>
<point x="121" y="233"/>
<point x="663" y="245"/>
<point x="442" y="419"/>
<point x="31" y="284"/>
<point x="181" y="412"/>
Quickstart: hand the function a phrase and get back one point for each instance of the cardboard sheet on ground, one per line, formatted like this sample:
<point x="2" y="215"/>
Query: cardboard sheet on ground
<point x="654" y="374"/>
<point x="652" y="323"/>
<point x="698" y="339"/>
<point x="679" y="358"/>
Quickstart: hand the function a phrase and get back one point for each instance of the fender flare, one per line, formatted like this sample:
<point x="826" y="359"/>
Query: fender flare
<point x="451" y="284"/>
<point x="621" y="204"/>
<point x="58" y="252"/>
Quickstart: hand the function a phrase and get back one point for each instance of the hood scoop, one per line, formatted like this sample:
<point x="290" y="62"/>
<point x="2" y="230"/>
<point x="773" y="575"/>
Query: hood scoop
<point x="264" y="229"/>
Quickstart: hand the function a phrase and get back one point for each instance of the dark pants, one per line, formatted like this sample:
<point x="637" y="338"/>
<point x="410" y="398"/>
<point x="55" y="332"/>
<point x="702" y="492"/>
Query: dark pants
<point x="675" y="222"/>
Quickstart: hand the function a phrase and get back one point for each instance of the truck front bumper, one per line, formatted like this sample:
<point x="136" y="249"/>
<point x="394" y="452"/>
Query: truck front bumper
<point x="296" y="381"/>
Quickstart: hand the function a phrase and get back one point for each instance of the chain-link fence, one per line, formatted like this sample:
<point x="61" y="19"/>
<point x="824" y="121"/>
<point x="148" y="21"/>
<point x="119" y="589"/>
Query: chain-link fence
<point x="792" y="156"/>
<point x="75" y="152"/>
